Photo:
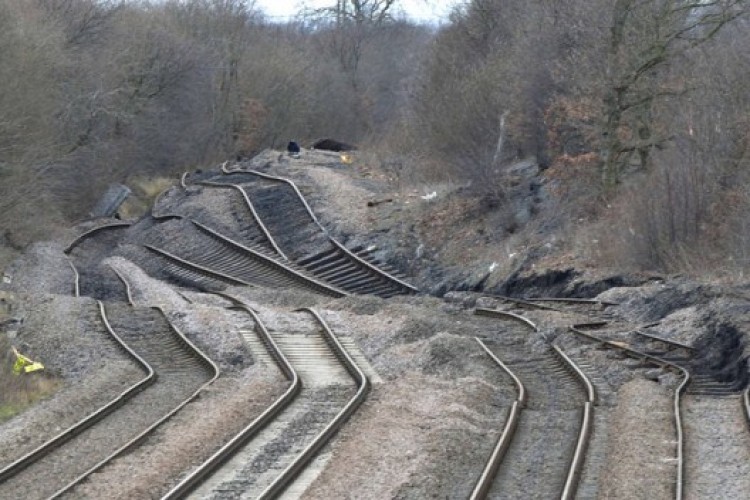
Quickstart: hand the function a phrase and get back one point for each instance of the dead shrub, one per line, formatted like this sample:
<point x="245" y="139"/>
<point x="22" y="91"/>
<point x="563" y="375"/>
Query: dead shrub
<point x="664" y="221"/>
<point x="573" y="181"/>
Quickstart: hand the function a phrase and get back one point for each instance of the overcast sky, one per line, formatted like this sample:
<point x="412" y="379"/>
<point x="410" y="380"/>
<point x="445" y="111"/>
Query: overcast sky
<point x="419" y="10"/>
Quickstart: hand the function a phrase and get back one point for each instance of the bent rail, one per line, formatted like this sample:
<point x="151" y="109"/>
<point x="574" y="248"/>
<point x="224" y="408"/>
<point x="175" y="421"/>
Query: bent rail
<point x="76" y="278"/>
<point x="680" y="432"/>
<point x="522" y="302"/>
<point x="484" y="483"/>
<point x="197" y="267"/>
<point x="584" y="436"/>
<point x="291" y="472"/>
<point x="91" y="232"/>
<point x="253" y="212"/>
<point x="495" y="313"/>
<point x="669" y="342"/>
<point x="271" y="263"/>
<point x="94" y="417"/>
<point x="677" y="402"/>
<point x="205" y="360"/>
<point x="582" y="377"/>
<point x="241" y="438"/>
<point x="374" y="269"/>
<point x="571" y="300"/>
<point x="126" y="283"/>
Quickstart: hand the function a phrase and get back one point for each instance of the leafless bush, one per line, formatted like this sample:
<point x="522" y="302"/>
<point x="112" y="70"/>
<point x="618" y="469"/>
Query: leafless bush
<point x="665" y="221"/>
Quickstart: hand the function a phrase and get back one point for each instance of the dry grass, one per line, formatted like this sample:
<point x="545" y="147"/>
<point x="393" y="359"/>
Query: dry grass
<point x="20" y="391"/>
<point x="665" y="220"/>
<point x="145" y="190"/>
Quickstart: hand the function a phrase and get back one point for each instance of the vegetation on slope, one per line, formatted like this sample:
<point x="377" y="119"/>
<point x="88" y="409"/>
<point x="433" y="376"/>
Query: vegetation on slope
<point x="636" y="111"/>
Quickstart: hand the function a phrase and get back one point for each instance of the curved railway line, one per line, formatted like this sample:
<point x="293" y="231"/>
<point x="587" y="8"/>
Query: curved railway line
<point x="255" y="233"/>
<point x="578" y="329"/>
<point x="271" y="222"/>
<point x="705" y="447"/>
<point x="559" y="406"/>
<point x="237" y="218"/>
<point x="176" y="372"/>
<point x="300" y="236"/>
<point x="693" y="396"/>
<point x="484" y="483"/>
<point x="267" y="456"/>
<point x="91" y="278"/>
<point x="215" y="461"/>
<point x="211" y="253"/>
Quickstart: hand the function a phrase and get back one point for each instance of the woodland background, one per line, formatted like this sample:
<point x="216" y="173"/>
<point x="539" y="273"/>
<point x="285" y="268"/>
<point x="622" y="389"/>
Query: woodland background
<point x="637" y="111"/>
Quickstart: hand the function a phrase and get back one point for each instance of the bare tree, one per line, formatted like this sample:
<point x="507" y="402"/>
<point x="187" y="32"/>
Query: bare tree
<point x="350" y="24"/>
<point x="645" y="39"/>
<point x="82" y="21"/>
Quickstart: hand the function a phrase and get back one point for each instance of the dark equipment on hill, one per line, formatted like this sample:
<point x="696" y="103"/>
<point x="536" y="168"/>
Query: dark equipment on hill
<point x="333" y="145"/>
<point x="293" y="148"/>
<point x="110" y="202"/>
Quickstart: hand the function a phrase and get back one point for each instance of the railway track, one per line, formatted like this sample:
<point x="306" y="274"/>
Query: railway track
<point x="232" y="214"/>
<point x="592" y="309"/>
<point x="279" y="449"/>
<point x="274" y="354"/>
<point x="255" y="233"/>
<point x="559" y="407"/>
<point x="85" y="253"/>
<point x="175" y="373"/>
<point x="713" y="408"/>
<point x="589" y="487"/>
<point x="300" y="236"/>
<point x="679" y="392"/>
<point x="195" y="249"/>
<point x="484" y="483"/>
<point x="175" y="269"/>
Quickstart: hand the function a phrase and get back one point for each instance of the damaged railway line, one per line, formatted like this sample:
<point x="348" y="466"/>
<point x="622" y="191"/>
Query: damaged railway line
<point x="220" y="234"/>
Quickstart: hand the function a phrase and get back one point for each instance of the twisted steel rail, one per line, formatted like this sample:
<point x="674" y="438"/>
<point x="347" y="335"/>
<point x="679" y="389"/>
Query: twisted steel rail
<point x="571" y="300"/>
<point x="253" y="212"/>
<point x="496" y="313"/>
<point x="87" y="234"/>
<point x="130" y="445"/>
<point x="584" y="435"/>
<point x="669" y="342"/>
<point x="192" y="480"/>
<point x="484" y="483"/>
<point x="279" y="266"/>
<point x="677" y="400"/>
<point x="76" y="277"/>
<point x="292" y="470"/>
<point x="362" y="262"/>
<point x="90" y="420"/>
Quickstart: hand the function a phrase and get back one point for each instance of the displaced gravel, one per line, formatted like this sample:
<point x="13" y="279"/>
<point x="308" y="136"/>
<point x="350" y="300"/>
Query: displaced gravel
<point x="716" y="440"/>
<point x="187" y="440"/>
<point x="69" y="405"/>
<point x="641" y="457"/>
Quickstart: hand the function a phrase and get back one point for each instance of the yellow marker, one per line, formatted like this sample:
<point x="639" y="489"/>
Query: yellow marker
<point x="346" y="158"/>
<point x="24" y="364"/>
